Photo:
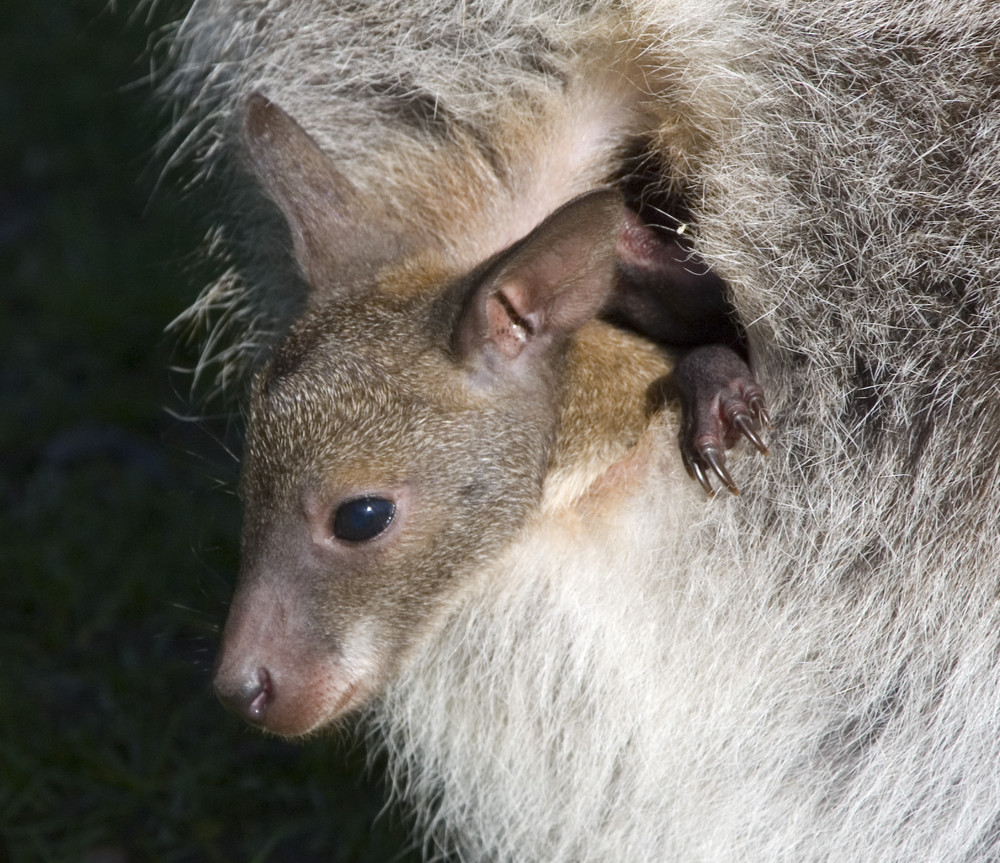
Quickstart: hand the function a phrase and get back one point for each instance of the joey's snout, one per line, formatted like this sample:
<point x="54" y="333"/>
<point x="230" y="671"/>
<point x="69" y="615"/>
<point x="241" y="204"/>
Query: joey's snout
<point x="275" y="672"/>
<point x="245" y="682"/>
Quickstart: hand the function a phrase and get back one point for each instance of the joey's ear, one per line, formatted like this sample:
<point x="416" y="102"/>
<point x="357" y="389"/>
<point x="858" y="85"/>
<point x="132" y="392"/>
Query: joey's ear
<point x="537" y="292"/>
<point x="339" y="237"/>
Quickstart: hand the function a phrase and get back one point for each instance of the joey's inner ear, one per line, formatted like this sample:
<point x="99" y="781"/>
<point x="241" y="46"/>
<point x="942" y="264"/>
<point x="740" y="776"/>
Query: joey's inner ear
<point x="340" y="237"/>
<point x="537" y="292"/>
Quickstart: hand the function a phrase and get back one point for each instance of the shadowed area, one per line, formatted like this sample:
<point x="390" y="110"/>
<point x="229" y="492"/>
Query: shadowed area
<point x="119" y="526"/>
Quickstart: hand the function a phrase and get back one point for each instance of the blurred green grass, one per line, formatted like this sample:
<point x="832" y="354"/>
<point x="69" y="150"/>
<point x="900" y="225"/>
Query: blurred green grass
<point x="118" y="530"/>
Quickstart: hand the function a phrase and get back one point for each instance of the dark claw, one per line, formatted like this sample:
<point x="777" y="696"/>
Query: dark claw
<point x="703" y="479"/>
<point x="758" y="406"/>
<point x="699" y="474"/>
<point x="745" y="425"/>
<point x="717" y="461"/>
<point x="688" y="464"/>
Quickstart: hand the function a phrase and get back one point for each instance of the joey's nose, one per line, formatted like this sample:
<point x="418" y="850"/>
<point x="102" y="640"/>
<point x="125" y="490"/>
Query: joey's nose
<point x="250" y="696"/>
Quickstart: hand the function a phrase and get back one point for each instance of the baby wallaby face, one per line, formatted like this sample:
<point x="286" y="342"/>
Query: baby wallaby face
<point x="398" y="438"/>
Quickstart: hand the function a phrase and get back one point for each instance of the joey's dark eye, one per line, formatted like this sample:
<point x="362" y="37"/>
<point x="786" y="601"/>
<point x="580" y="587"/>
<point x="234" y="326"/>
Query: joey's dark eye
<point x="363" y="518"/>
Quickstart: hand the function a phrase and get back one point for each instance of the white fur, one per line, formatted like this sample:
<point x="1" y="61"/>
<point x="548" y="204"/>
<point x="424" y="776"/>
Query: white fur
<point x="809" y="672"/>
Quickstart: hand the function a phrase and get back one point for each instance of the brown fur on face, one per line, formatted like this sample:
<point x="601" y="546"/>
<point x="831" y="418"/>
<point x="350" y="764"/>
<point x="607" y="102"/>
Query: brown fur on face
<point x="449" y="415"/>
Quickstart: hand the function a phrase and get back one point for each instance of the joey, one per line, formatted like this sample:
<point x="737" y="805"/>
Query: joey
<point x="397" y="438"/>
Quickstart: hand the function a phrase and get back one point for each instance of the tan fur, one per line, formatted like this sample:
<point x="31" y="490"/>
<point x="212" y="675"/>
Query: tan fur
<point x="600" y="427"/>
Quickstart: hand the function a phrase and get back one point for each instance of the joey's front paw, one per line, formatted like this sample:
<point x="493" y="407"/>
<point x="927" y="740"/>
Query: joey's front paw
<point x="722" y="403"/>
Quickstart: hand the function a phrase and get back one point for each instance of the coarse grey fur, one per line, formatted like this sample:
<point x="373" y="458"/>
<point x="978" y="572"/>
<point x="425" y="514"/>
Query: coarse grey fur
<point x="808" y="672"/>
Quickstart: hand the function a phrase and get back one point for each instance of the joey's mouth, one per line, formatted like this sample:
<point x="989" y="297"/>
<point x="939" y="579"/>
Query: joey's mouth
<point x="290" y="708"/>
<point x="309" y="723"/>
<point x="291" y="695"/>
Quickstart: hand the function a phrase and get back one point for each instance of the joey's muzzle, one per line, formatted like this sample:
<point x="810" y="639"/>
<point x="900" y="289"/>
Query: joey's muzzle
<point x="275" y="674"/>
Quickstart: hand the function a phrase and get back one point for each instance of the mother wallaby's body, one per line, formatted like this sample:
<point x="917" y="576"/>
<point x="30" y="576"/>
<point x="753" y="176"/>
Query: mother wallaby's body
<point x="464" y="507"/>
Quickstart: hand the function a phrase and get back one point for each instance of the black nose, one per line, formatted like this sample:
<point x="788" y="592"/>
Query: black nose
<point x="250" y="696"/>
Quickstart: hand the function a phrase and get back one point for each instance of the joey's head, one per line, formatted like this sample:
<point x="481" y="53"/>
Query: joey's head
<point x="398" y="437"/>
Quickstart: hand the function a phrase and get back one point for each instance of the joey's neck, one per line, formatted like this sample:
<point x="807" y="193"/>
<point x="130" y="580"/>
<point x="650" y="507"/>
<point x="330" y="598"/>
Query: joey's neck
<point x="609" y="406"/>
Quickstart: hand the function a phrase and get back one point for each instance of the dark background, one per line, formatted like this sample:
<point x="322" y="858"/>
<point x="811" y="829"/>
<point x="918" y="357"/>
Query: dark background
<point x="118" y="522"/>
